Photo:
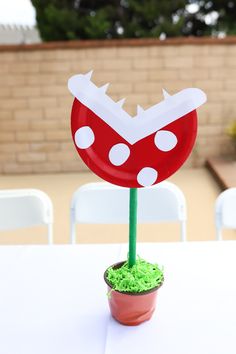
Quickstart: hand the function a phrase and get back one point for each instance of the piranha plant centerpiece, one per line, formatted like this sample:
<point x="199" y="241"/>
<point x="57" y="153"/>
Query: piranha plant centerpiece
<point x="133" y="152"/>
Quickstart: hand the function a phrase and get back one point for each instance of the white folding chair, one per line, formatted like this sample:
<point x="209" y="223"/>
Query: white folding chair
<point x="225" y="211"/>
<point x="105" y="203"/>
<point x="21" y="208"/>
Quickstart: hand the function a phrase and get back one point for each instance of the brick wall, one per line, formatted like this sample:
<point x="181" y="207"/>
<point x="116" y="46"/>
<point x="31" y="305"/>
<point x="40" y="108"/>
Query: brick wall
<point x="35" y="103"/>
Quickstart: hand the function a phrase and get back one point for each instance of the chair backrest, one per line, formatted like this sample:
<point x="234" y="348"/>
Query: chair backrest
<point x="21" y="208"/>
<point x="105" y="203"/>
<point x="225" y="211"/>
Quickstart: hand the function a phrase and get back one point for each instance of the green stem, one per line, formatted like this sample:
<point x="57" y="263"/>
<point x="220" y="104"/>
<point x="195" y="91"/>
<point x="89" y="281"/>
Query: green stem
<point x="132" y="226"/>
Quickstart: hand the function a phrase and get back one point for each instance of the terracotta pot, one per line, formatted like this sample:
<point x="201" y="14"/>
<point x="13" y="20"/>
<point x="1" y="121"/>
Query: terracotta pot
<point x="131" y="309"/>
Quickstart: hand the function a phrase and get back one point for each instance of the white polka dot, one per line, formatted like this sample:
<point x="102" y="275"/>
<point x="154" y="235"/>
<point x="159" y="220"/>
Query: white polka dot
<point x="147" y="176"/>
<point x="118" y="154"/>
<point x="165" y="140"/>
<point x="84" y="137"/>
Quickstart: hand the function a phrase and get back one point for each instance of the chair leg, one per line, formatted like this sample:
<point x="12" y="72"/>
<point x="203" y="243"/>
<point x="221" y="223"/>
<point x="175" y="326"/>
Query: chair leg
<point x="72" y="233"/>
<point x="219" y="234"/>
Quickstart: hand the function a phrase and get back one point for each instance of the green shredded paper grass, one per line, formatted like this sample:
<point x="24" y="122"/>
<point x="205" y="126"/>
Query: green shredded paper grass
<point x="142" y="276"/>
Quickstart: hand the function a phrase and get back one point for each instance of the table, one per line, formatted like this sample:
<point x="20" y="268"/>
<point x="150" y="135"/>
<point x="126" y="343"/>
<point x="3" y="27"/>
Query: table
<point x="53" y="300"/>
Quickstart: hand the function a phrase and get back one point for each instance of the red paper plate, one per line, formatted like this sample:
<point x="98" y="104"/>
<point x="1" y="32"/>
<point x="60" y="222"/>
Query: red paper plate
<point x="132" y="151"/>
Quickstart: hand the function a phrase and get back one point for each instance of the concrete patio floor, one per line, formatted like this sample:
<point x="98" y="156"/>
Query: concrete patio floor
<point x="198" y="185"/>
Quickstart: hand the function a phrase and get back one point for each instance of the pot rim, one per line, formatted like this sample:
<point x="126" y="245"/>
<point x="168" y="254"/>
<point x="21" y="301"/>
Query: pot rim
<point x="118" y="265"/>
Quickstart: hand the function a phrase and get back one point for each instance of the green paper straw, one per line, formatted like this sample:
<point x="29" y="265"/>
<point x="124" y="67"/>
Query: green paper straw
<point x="132" y="226"/>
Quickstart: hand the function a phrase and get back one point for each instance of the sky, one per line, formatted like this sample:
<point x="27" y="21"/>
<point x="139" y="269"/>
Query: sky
<point x="18" y="12"/>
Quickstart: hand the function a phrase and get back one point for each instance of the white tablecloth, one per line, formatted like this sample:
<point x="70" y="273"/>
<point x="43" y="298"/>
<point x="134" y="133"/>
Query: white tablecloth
<point x="53" y="300"/>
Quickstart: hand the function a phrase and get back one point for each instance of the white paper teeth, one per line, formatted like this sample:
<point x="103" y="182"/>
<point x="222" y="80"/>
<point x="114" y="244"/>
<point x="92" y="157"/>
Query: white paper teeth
<point x="139" y="109"/>
<point x="165" y="94"/>
<point x="121" y="102"/>
<point x="89" y="74"/>
<point x="104" y="87"/>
